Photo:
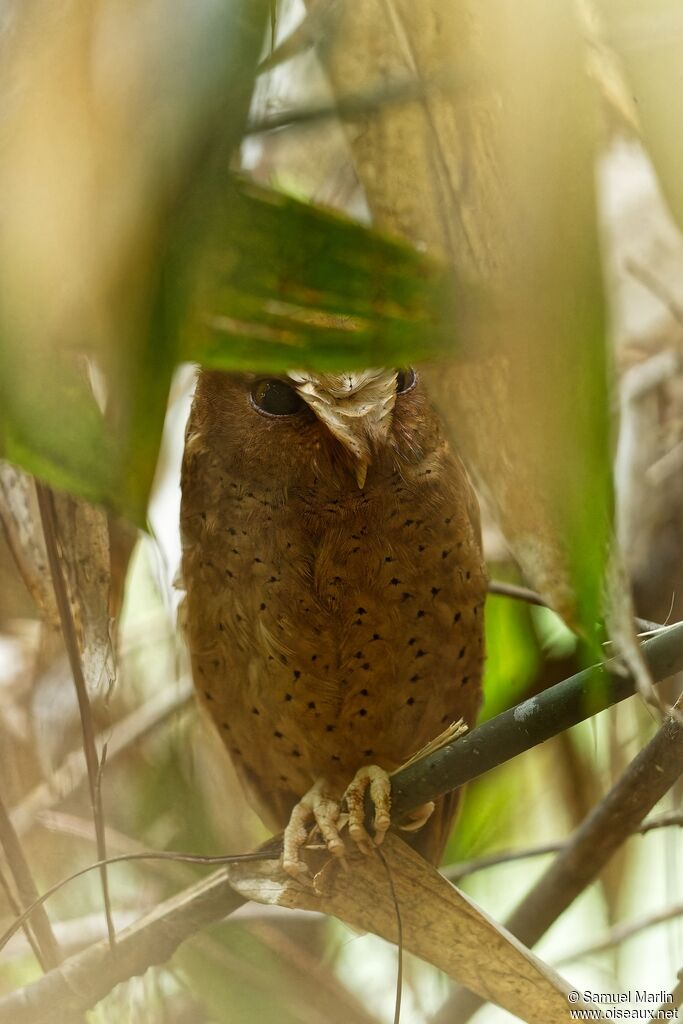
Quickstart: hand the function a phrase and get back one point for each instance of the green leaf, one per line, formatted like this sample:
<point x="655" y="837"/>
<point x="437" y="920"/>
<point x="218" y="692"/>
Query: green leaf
<point x="512" y="655"/>
<point x="649" y="42"/>
<point x="281" y="284"/>
<point x="97" y="175"/>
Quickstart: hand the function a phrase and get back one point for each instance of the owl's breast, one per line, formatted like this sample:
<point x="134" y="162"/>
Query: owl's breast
<point x="329" y="635"/>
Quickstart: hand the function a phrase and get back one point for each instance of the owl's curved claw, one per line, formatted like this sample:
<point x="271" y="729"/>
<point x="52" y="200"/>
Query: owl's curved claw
<point x="417" y="818"/>
<point x="377" y="780"/>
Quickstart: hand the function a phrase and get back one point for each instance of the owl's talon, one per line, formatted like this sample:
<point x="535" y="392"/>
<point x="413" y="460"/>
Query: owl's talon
<point x="376" y="779"/>
<point x="360" y="837"/>
<point x="418" y="818"/>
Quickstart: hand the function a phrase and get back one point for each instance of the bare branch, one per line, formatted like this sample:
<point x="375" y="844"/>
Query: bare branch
<point x="623" y="931"/>
<point x="454" y="872"/>
<point x="535" y="720"/>
<point x="72" y="772"/>
<point x="501" y="588"/>
<point x="504" y="589"/>
<point x="47" y="949"/>
<point x="352" y="105"/>
<point x="49" y="520"/>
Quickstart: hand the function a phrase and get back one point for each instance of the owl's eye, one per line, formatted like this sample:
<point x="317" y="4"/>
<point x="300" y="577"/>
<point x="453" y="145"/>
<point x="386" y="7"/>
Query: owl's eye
<point x="275" y="398"/>
<point x="405" y="380"/>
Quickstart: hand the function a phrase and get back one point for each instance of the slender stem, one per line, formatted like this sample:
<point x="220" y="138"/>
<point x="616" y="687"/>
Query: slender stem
<point x="454" y="872"/>
<point x="360" y="104"/>
<point x="128" y="731"/>
<point x="26" y="926"/>
<point x="623" y="931"/>
<point x="49" y="520"/>
<point x="504" y="589"/>
<point x="47" y="948"/>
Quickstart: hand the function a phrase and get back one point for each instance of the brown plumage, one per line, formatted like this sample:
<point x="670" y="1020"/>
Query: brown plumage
<point x="334" y="577"/>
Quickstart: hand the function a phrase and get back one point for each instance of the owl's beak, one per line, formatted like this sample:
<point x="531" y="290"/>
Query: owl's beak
<point x="356" y="408"/>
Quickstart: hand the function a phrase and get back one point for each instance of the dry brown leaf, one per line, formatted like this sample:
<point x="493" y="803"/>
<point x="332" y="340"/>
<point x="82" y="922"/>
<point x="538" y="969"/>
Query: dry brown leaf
<point x="95" y="550"/>
<point x="440" y="924"/>
<point x="83" y="532"/>
<point x="21" y="522"/>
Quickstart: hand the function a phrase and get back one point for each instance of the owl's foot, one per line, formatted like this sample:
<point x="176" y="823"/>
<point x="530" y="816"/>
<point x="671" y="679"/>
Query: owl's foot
<point x="317" y="807"/>
<point x="321" y="809"/>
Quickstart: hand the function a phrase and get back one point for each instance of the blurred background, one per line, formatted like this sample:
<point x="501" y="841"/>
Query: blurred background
<point x="113" y="123"/>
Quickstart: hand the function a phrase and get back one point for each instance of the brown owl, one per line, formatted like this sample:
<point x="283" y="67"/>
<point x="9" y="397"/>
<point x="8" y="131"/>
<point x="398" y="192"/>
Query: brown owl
<point x="335" y="590"/>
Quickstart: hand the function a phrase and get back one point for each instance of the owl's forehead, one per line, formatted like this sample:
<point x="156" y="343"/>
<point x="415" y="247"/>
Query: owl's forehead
<point x="373" y="383"/>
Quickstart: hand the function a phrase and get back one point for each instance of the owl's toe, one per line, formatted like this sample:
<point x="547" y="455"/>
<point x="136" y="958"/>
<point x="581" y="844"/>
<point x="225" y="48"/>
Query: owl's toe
<point x="375" y="779"/>
<point x="315" y="807"/>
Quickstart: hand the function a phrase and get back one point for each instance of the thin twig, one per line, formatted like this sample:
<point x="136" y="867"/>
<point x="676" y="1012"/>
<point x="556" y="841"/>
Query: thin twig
<point x="501" y="588"/>
<point x="49" y="521"/>
<point x="118" y="843"/>
<point x="399" y="939"/>
<point x="623" y="931"/>
<point x="664" y="820"/>
<point x="47" y="949"/>
<point x="354" y="105"/>
<point x="16" y="910"/>
<point x="206" y="860"/>
<point x="72" y="772"/>
<point x="505" y="589"/>
<point x="454" y="872"/>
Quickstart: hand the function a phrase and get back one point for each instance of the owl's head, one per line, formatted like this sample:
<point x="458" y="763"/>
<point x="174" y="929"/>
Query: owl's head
<point x="313" y="424"/>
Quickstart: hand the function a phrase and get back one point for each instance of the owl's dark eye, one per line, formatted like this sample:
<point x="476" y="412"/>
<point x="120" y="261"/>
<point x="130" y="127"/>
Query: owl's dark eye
<point x="405" y="380"/>
<point x="276" y="398"/>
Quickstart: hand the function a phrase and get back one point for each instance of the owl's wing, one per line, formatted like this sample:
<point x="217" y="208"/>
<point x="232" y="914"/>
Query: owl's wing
<point x="273" y="806"/>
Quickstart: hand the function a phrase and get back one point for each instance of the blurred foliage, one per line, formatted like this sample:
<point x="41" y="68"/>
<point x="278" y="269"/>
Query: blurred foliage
<point x="197" y="266"/>
<point x="512" y="654"/>
<point x="649" y="41"/>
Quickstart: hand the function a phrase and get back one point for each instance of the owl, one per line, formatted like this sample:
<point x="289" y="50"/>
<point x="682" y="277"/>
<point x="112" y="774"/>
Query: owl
<point x="335" y="587"/>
